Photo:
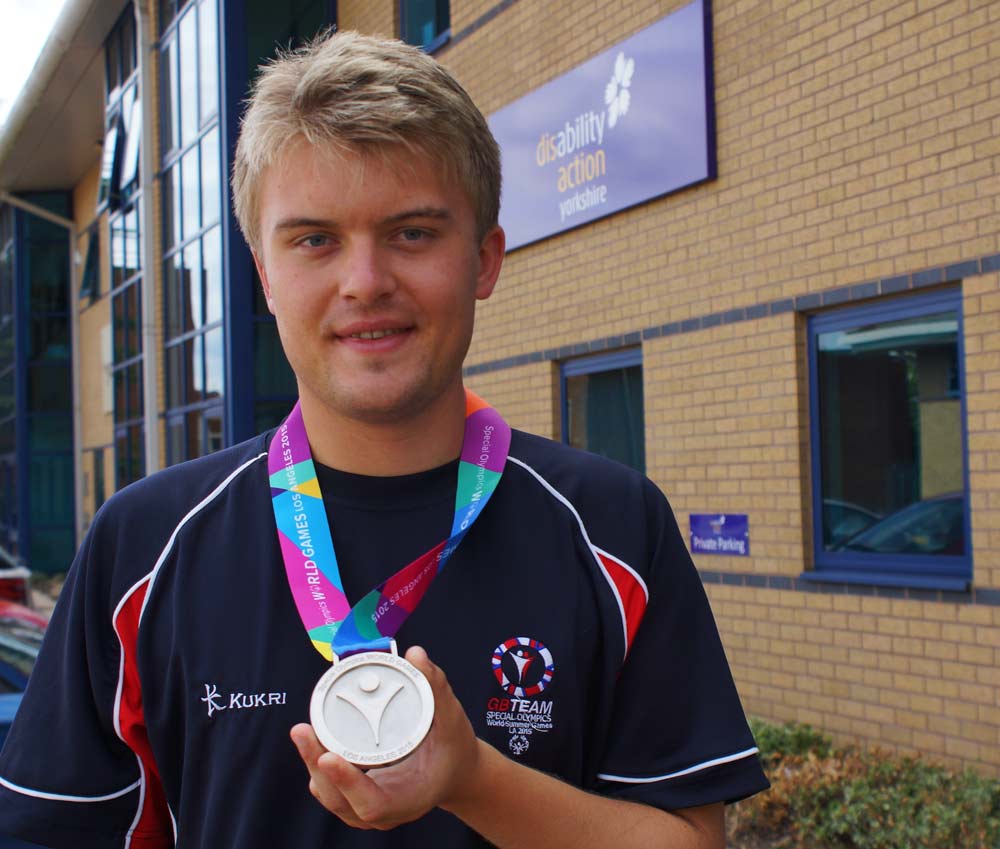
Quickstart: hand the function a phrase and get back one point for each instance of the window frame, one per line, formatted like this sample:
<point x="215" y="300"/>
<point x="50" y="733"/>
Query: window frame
<point x="436" y="43"/>
<point x="593" y="364"/>
<point x="919" y="571"/>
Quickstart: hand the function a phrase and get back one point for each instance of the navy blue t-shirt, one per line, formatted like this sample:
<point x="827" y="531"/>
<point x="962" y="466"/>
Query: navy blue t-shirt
<point x="571" y="624"/>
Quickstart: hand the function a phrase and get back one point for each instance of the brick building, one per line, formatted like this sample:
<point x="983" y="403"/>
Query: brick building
<point x="803" y="337"/>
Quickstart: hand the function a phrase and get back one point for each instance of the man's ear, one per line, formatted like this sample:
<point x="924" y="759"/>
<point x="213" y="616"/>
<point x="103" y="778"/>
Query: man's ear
<point x="264" y="282"/>
<point x="491" y="253"/>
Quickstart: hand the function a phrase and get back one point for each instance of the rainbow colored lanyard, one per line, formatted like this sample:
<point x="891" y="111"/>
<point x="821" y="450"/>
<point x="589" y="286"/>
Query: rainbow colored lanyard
<point x="334" y="627"/>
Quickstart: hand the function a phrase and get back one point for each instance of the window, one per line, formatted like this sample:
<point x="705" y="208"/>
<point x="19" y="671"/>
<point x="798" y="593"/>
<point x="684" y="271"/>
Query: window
<point x="602" y="407"/>
<point x="107" y="192"/>
<point x="192" y="234"/>
<point x="888" y="452"/>
<point x="425" y="23"/>
<point x="90" y="284"/>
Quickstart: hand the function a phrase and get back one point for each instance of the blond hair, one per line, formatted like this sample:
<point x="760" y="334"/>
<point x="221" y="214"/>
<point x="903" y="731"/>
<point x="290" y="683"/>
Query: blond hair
<point x="348" y="92"/>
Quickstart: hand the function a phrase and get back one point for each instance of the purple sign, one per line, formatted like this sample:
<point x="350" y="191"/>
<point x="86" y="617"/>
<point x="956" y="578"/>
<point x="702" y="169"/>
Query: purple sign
<point x="725" y="533"/>
<point x="628" y="125"/>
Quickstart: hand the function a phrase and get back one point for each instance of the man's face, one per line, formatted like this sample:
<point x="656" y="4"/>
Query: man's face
<point x="372" y="268"/>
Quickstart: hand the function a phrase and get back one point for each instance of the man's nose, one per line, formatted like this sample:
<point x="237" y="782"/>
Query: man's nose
<point x="366" y="276"/>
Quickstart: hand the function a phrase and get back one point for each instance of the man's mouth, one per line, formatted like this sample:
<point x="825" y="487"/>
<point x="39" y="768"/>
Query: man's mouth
<point x="376" y="334"/>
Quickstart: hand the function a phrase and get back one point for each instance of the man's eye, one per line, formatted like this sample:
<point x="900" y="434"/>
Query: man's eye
<point x="413" y="234"/>
<point x="315" y="240"/>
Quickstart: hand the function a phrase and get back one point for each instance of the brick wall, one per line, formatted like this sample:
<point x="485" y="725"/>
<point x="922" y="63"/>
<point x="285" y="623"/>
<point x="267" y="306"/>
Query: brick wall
<point x="858" y="158"/>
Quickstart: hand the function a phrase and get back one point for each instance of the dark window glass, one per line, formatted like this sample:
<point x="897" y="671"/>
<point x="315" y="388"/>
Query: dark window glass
<point x="6" y="394"/>
<point x="176" y="441"/>
<point x="100" y="488"/>
<point x="129" y="455"/>
<point x="192" y="283"/>
<point x="215" y="374"/>
<point x="180" y="373"/>
<point x="90" y="285"/>
<point x="51" y="488"/>
<point x="890" y="437"/>
<point x="49" y="338"/>
<point x="268" y="414"/>
<point x="47" y="271"/>
<point x="213" y="431"/>
<point x="175" y="294"/>
<point x="271" y="25"/>
<point x="51" y="432"/>
<point x="272" y="374"/>
<point x="422" y="22"/>
<point x="49" y="387"/>
<point x="51" y="549"/>
<point x="604" y="414"/>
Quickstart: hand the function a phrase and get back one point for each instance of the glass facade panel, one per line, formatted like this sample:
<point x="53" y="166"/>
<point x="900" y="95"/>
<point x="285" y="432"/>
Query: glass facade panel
<point x="215" y="374"/>
<point x="211" y="262"/>
<point x="172" y="206"/>
<point x="188" y="61"/>
<point x="180" y="365"/>
<point x="208" y="36"/>
<point x="50" y="432"/>
<point x="129" y="455"/>
<point x="51" y="487"/>
<point x="190" y="191"/>
<point x="195" y="316"/>
<point x="211" y="185"/>
<point x="170" y="119"/>
<point x="890" y="434"/>
<point x="604" y="414"/>
<point x="175" y="293"/>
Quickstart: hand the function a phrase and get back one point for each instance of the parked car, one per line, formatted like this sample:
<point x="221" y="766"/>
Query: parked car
<point x="14" y="583"/>
<point x="932" y="526"/>
<point x="842" y="520"/>
<point x="21" y="631"/>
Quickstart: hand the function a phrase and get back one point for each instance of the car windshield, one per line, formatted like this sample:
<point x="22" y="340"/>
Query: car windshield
<point x="934" y="526"/>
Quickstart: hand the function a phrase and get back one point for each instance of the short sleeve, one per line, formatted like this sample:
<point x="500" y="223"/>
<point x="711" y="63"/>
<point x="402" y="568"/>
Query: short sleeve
<point x="67" y="779"/>
<point x="679" y="737"/>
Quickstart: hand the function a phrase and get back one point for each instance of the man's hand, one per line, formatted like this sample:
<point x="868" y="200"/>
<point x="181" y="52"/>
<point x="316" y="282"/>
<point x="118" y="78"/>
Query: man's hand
<point x="384" y="798"/>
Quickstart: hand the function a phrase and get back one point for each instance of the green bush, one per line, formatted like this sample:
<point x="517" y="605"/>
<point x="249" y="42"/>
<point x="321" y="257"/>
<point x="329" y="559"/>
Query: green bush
<point x="827" y="798"/>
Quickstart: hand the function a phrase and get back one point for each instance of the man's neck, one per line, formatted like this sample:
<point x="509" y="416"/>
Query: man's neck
<point x="431" y="438"/>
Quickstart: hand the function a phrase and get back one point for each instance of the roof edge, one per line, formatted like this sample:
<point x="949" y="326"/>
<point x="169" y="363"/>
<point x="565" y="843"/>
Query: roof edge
<point x="64" y="31"/>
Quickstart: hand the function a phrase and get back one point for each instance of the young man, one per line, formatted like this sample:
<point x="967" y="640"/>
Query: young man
<point x="580" y="692"/>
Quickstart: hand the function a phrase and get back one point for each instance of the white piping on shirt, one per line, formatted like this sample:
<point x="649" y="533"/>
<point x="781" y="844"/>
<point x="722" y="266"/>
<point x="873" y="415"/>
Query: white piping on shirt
<point x="696" y="768"/>
<point x="60" y="797"/>
<point x="593" y="549"/>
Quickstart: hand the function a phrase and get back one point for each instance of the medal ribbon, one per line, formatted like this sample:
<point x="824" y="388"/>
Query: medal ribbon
<point x="334" y="627"/>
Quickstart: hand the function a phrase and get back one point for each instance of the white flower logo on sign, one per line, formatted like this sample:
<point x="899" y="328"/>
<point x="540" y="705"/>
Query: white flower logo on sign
<point x="617" y="96"/>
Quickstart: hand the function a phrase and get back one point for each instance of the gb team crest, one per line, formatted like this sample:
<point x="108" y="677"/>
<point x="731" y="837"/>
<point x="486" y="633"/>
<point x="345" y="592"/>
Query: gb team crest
<point x="523" y="668"/>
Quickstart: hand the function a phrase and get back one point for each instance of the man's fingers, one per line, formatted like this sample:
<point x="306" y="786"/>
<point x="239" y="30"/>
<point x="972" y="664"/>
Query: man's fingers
<point x="366" y="799"/>
<point x="307" y="743"/>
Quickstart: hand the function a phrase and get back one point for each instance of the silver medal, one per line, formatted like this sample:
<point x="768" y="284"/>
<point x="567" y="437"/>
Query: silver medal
<point x="373" y="709"/>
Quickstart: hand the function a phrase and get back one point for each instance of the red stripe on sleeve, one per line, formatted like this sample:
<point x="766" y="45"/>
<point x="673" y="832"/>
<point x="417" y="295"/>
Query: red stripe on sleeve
<point x="153" y="829"/>
<point x="631" y="593"/>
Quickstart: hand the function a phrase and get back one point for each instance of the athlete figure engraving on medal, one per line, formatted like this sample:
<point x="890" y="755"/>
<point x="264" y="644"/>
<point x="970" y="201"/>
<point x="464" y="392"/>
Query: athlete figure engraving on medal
<point x="370" y="704"/>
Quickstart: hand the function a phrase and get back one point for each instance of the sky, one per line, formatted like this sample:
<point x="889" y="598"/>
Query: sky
<point x="24" y="26"/>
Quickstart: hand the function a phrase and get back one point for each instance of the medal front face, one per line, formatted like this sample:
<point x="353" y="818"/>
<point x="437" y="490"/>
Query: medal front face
<point x="373" y="709"/>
